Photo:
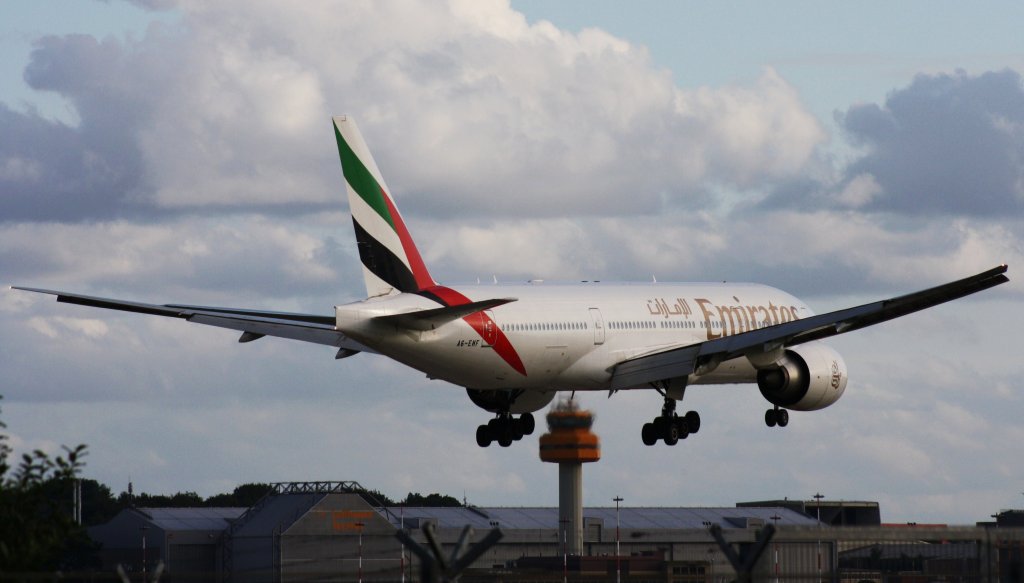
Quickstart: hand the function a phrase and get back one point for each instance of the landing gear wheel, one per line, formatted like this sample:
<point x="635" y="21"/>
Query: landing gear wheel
<point x="682" y="427"/>
<point x="782" y="417"/>
<point x="670" y="433"/>
<point x="505" y="429"/>
<point x="483" y="436"/>
<point x="649" y="434"/>
<point x="527" y="423"/>
<point x="771" y="417"/>
<point x="692" y="421"/>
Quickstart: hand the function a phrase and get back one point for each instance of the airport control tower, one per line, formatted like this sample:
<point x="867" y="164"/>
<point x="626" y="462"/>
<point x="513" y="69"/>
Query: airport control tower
<point x="570" y="443"/>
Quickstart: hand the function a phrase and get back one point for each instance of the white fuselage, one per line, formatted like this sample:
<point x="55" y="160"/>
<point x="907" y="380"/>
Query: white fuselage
<point x="570" y="336"/>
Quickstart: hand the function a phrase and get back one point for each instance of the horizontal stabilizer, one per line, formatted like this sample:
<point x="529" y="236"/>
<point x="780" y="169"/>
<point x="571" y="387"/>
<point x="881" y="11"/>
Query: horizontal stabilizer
<point x="431" y="319"/>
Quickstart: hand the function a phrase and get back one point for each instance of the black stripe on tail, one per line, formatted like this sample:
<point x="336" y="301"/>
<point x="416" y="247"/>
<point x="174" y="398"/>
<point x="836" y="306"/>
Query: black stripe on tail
<point x="382" y="262"/>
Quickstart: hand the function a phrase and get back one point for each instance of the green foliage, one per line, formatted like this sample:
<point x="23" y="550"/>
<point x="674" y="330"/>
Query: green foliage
<point x="375" y="497"/>
<point x="243" y="496"/>
<point x="36" y="530"/>
<point x="177" y="500"/>
<point x="98" y="503"/>
<point x="431" y="500"/>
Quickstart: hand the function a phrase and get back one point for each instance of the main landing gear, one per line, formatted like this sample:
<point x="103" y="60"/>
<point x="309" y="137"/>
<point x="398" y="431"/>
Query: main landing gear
<point x="669" y="426"/>
<point x="776" y="416"/>
<point x="505" y="428"/>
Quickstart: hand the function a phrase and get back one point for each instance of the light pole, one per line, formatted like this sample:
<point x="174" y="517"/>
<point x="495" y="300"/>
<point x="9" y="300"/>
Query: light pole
<point x="401" y="555"/>
<point x="565" y="551"/>
<point x="775" y="522"/>
<point x="618" y="553"/>
<point x="360" y="526"/>
<point x="817" y="498"/>
<point x="144" y="529"/>
<point x="711" y="559"/>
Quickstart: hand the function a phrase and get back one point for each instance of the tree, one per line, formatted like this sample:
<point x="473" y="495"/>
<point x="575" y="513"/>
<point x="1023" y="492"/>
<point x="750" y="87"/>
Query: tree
<point x="431" y="500"/>
<point x="98" y="503"/>
<point x="176" y="500"/>
<point x="244" y="495"/>
<point x="35" y="530"/>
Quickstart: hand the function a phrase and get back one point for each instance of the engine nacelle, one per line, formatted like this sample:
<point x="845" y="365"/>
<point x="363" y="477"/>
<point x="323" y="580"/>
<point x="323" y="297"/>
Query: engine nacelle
<point x="806" y="378"/>
<point x="518" y="401"/>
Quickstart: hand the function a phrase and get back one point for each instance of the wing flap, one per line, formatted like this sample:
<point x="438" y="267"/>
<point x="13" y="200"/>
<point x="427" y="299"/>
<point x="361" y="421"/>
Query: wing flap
<point x="679" y="362"/>
<point x="251" y="327"/>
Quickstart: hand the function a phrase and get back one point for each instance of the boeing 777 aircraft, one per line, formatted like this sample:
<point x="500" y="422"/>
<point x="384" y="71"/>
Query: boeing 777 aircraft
<point x="514" y="347"/>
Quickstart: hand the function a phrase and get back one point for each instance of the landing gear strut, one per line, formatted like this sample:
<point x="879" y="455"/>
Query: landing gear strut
<point x="669" y="426"/>
<point x="505" y="428"/>
<point x="776" y="416"/>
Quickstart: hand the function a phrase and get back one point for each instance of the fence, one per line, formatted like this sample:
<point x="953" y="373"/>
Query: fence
<point x="793" y="554"/>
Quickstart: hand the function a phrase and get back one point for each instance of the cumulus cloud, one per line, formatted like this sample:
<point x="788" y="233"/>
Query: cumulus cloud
<point x="951" y="143"/>
<point x="244" y="259"/>
<point x="947" y="144"/>
<point x="474" y="111"/>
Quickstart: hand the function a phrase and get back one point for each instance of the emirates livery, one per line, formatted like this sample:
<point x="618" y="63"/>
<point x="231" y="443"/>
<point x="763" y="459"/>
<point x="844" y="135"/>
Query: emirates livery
<point x="514" y="346"/>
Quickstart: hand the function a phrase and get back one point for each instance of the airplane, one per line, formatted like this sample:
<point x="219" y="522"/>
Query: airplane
<point x="514" y="347"/>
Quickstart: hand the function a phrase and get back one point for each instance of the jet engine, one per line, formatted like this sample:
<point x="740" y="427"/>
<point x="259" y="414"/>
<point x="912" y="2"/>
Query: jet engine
<point x="515" y="401"/>
<point x="805" y="378"/>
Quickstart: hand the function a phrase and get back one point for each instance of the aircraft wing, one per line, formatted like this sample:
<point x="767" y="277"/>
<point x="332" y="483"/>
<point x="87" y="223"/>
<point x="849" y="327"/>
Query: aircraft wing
<point x="253" y="324"/>
<point x="680" y="362"/>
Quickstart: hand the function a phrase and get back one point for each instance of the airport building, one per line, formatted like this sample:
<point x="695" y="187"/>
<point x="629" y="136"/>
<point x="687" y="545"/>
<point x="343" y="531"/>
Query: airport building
<point x="328" y="531"/>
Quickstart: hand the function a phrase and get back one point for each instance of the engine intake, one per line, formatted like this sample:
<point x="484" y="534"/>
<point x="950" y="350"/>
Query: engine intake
<point x="806" y="378"/>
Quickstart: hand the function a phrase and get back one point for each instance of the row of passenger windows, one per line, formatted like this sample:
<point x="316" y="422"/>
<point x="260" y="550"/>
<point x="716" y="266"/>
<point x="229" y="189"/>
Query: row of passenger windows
<point x="546" y="326"/>
<point x="617" y="325"/>
<point x="647" y="325"/>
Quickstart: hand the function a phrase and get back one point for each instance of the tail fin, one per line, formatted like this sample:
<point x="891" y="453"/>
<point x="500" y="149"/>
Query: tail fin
<point x="390" y="259"/>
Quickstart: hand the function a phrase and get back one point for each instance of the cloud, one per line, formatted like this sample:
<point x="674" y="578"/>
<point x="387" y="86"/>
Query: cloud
<point x="193" y="257"/>
<point x="51" y="327"/>
<point x="473" y="111"/>
<point x="951" y="143"/>
<point x="947" y="144"/>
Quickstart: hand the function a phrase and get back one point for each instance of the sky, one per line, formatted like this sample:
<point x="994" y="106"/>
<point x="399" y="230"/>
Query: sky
<point x="181" y="152"/>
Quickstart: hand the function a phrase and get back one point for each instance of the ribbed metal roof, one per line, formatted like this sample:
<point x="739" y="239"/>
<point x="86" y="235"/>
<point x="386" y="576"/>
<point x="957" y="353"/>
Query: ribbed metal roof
<point x="481" y="518"/>
<point x="191" y="518"/>
<point x="279" y="512"/>
<point x="630" y="518"/>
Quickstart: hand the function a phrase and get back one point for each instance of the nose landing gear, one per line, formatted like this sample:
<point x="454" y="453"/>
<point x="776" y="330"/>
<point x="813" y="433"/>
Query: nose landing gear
<point x="776" y="416"/>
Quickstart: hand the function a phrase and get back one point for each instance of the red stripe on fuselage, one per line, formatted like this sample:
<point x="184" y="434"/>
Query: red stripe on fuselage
<point x="478" y="322"/>
<point x="419" y="269"/>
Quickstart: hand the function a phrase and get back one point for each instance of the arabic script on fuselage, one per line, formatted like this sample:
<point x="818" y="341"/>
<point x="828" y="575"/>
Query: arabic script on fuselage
<point x="725" y="320"/>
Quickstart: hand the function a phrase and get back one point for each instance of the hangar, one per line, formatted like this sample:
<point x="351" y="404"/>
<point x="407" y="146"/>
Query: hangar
<point x="313" y="530"/>
<point x="317" y="531"/>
